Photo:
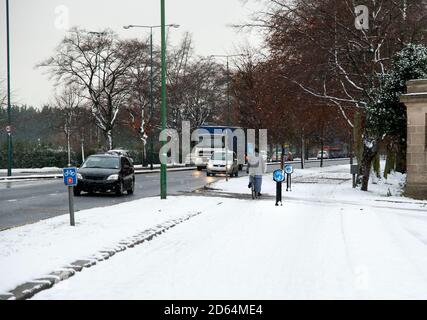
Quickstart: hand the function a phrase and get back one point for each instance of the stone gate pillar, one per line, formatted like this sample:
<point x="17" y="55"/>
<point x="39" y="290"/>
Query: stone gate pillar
<point x="416" y="106"/>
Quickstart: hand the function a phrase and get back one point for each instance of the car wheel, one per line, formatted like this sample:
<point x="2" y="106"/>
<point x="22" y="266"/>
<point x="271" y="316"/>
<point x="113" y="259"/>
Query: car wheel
<point x="236" y="174"/>
<point x="77" y="192"/>
<point x="119" y="189"/>
<point x="199" y="168"/>
<point x="208" y="173"/>
<point x="132" y="189"/>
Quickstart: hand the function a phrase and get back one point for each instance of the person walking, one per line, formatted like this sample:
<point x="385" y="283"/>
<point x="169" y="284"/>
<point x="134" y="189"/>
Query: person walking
<point x="257" y="166"/>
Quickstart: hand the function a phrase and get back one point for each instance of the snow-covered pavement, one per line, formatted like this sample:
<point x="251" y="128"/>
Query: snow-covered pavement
<point x="243" y="250"/>
<point x="32" y="251"/>
<point x="327" y="241"/>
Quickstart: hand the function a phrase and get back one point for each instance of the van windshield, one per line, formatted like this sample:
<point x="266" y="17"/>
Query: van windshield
<point x="221" y="156"/>
<point x="211" y="141"/>
<point x="102" y="162"/>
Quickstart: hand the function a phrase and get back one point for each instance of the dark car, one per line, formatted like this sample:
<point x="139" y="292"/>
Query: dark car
<point x="109" y="172"/>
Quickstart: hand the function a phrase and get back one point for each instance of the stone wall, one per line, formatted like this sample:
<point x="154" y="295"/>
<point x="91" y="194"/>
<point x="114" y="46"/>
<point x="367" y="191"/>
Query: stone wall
<point x="416" y="106"/>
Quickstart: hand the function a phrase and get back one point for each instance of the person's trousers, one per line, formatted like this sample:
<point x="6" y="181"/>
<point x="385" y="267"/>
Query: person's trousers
<point x="257" y="181"/>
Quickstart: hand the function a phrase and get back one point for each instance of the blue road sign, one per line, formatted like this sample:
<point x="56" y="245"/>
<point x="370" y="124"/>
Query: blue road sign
<point x="70" y="177"/>
<point x="289" y="169"/>
<point x="278" y="175"/>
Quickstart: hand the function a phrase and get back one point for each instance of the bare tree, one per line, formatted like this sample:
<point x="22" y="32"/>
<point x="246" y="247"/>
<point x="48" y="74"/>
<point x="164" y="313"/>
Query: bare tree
<point x="98" y="65"/>
<point x="3" y="103"/>
<point x="347" y="61"/>
<point x="141" y="117"/>
<point x="197" y="86"/>
<point x="69" y="100"/>
<point x="178" y="68"/>
<point x="319" y="50"/>
<point x="203" y="91"/>
<point x="3" y="94"/>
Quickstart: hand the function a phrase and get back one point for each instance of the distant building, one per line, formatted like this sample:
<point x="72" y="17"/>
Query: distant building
<point x="416" y="106"/>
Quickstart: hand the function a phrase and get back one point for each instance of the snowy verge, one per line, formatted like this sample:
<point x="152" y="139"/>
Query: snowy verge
<point x="34" y="170"/>
<point x="328" y="183"/>
<point x="33" y="251"/>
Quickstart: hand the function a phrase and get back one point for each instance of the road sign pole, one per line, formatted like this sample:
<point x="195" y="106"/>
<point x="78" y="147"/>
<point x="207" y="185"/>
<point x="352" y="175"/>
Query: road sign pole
<point x="71" y="205"/>
<point x="278" y="193"/>
<point x="289" y="182"/>
<point x="163" y="177"/>
<point x="70" y="180"/>
<point x="289" y="170"/>
<point x="278" y="177"/>
<point x="354" y="169"/>
<point x="226" y="155"/>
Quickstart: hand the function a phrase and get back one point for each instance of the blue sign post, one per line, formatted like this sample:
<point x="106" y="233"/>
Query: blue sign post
<point x="289" y="170"/>
<point x="70" y="180"/>
<point x="70" y="177"/>
<point x="279" y="177"/>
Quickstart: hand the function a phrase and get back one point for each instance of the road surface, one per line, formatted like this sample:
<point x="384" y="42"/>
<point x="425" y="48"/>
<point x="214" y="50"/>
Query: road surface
<point x="26" y="202"/>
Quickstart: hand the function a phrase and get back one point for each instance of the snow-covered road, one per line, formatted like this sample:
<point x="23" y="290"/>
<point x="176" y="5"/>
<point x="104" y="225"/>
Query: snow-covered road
<point x="244" y="249"/>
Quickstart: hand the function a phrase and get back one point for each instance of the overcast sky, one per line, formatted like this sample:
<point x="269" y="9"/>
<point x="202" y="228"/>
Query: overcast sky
<point x="35" y="32"/>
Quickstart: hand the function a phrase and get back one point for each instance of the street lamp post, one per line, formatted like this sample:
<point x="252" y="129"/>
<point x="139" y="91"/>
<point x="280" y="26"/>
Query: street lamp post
<point x="228" y="56"/>
<point x="151" y="77"/>
<point x="163" y="177"/>
<point x="162" y="26"/>
<point x="228" y="94"/>
<point x="9" y="111"/>
<point x="151" y="97"/>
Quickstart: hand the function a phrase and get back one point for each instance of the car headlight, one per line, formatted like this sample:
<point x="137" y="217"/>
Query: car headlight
<point x="79" y="176"/>
<point x="113" y="177"/>
<point x="228" y="166"/>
